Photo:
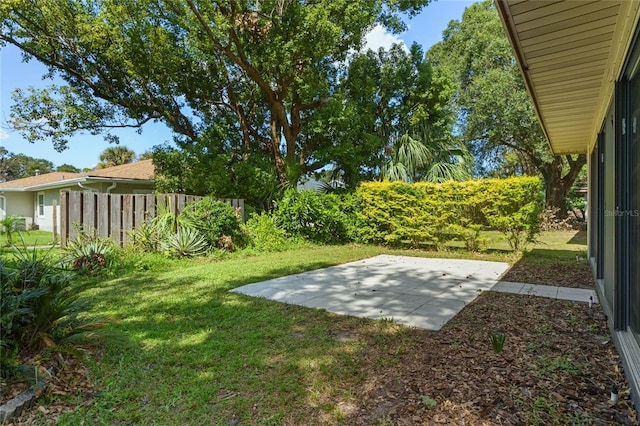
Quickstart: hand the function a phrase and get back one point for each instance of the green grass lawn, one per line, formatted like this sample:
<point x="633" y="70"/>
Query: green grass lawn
<point x="31" y="238"/>
<point x="43" y="240"/>
<point x="187" y="351"/>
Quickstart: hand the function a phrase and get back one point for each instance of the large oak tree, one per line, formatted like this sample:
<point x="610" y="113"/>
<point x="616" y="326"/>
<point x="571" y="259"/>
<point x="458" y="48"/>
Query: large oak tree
<point x="255" y="68"/>
<point x="496" y="116"/>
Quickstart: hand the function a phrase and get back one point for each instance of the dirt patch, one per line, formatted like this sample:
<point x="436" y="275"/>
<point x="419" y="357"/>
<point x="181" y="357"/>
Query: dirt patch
<point x="68" y="385"/>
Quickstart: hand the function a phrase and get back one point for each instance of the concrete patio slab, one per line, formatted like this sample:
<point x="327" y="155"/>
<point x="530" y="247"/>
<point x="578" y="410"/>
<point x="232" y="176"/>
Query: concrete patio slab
<point x="414" y="291"/>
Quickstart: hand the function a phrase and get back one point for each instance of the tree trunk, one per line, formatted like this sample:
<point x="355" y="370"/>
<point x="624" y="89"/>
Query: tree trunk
<point x="276" y="155"/>
<point x="556" y="185"/>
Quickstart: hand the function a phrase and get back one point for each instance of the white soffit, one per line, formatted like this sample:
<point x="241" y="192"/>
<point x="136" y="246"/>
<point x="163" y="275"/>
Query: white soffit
<point x="570" y="53"/>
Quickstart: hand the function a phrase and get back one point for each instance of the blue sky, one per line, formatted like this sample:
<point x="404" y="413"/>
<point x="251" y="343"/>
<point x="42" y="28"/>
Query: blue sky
<point x="84" y="150"/>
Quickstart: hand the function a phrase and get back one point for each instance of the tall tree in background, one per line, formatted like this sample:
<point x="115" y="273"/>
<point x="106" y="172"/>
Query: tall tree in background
<point x="253" y="68"/>
<point x="381" y="96"/>
<point x="18" y="166"/>
<point x="68" y="168"/>
<point x="497" y="118"/>
<point x="116" y="156"/>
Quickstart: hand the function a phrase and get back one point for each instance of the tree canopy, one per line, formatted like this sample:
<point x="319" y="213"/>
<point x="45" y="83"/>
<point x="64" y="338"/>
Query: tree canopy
<point x="68" y="168"/>
<point x="241" y="74"/>
<point x="382" y="96"/>
<point x="116" y="156"/>
<point x="496" y="116"/>
<point x="18" y="166"/>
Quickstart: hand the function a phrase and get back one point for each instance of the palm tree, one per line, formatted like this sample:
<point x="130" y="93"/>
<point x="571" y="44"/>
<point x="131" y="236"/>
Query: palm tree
<point x="10" y="225"/>
<point x="115" y="156"/>
<point x="421" y="157"/>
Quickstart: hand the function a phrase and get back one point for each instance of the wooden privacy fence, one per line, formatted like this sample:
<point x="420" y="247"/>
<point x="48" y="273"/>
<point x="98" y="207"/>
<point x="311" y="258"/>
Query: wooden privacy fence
<point x="114" y="215"/>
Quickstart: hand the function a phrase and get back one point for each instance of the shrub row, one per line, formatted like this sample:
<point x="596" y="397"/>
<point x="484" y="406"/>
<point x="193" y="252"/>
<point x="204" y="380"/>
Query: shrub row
<point x="434" y="213"/>
<point x="397" y="213"/>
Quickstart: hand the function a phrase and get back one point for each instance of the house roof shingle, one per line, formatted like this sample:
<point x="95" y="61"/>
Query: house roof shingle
<point x="141" y="170"/>
<point x="138" y="170"/>
<point x="40" y="179"/>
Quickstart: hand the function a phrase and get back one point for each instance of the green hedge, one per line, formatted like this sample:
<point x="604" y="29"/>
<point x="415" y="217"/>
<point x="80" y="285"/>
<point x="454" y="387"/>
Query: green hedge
<point x="426" y="213"/>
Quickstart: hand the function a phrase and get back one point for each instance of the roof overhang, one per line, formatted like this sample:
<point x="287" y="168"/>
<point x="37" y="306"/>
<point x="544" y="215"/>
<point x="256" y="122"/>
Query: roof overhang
<point x="85" y="180"/>
<point x="570" y="53"/>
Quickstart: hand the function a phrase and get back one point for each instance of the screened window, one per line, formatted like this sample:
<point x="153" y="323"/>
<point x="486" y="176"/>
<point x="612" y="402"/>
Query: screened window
<point x="40" y="204"/>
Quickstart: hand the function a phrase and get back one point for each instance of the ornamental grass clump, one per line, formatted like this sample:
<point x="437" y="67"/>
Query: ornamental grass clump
<point x="41" y="307"/>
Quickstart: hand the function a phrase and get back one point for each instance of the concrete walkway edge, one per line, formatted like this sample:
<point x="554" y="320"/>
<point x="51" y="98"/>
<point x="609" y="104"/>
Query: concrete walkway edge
<point x="581" y="295"/>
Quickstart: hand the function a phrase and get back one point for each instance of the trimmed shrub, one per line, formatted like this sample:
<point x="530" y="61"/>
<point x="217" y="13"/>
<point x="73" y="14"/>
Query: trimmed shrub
<point x="513" y="207"/>
<point x="263" y="234"/>
<point x="431" y="214"/>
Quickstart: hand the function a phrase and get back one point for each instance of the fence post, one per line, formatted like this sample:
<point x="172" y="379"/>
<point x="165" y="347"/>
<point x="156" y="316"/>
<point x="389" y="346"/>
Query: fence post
<point x="64" y="219"/>
<point x="55" y="221"/>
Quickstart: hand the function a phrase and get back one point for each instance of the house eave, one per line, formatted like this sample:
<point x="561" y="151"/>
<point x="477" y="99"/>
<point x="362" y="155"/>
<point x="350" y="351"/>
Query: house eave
<point x="570" y="54"/>
<point x="75" y="181"/>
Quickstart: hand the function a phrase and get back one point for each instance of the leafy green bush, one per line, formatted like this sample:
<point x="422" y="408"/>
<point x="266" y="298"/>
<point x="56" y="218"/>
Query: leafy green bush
<point x="514" y="208"/>
<point x="315" y="216"/>
<point x="432" y="214"/>
<point x="39" y="306"/>
<point x="213" y="219"/>
<point x="263" y="234"/>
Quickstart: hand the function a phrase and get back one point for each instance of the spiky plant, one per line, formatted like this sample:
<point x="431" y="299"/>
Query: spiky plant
<point x="186" y="242"/>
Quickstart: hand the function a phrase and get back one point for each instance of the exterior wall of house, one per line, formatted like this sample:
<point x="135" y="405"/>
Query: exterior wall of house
<point x="26" y="204"/>
<point x="614" y="219"/>
<point x="132" y="189"/>
<point x="19" y="204"/>
<point x="45" y="221"/>
<point x="609" y="206"/>
<point x="119" y="188"/>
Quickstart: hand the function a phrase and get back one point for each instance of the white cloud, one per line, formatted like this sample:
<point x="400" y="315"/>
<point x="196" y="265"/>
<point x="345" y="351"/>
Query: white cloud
<point x="3" y="134"/>
<point x="379" y="37"/>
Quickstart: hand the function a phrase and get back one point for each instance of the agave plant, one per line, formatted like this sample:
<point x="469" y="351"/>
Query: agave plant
<point x="89" y="253"/>
<point x="185" y="242"/>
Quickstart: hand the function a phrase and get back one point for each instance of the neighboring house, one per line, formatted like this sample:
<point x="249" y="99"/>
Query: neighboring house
<point x="581" y="63"/>
<point x="33" y="197"/>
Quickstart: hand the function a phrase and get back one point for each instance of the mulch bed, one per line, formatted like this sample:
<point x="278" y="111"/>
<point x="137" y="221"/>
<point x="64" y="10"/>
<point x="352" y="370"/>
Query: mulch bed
<point x="576" y="275"/>
<point x="558" y="367"/>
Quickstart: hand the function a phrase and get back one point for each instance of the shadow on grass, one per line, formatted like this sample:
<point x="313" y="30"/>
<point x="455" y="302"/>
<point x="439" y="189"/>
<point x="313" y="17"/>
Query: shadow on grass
<point x="580" y="238"/>
<point x="191" y="352"/>
<point x="549" y="256"/>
